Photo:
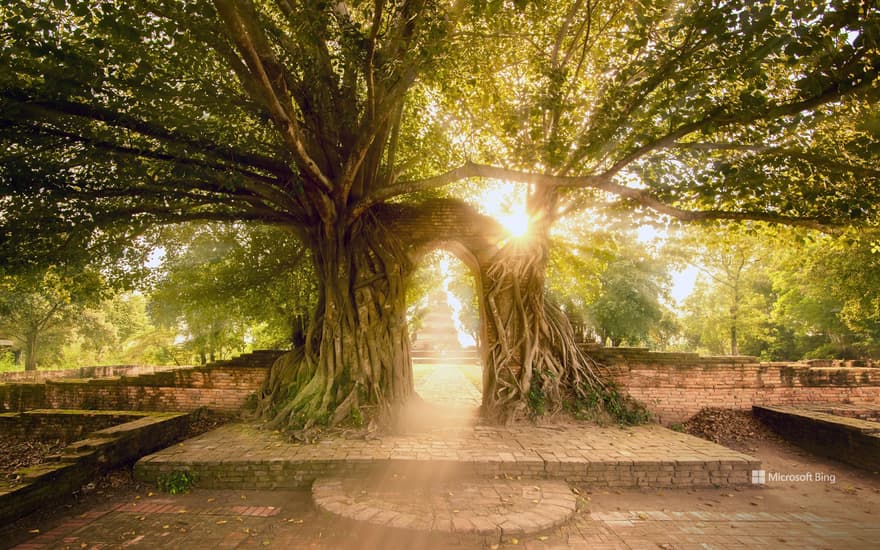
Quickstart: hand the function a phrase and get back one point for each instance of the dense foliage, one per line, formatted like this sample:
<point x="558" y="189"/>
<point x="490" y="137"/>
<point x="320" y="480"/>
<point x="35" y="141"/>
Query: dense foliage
<point x="344" y="123"/>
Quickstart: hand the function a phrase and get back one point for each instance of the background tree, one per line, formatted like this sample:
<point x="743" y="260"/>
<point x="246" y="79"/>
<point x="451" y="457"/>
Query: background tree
<point x="343" y="121"/>
<point x="829" y="296"/>
<point x="733" y="303"/>
<point x="225" y="286"/>
<point x="615" y="282"/>
<point x="628" y="306"/>
<point x="34" y="306"/>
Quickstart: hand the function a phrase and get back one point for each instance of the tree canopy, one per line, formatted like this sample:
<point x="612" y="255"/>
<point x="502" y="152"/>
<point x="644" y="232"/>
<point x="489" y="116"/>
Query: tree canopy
<point x="346" y="123"/>
<point x="121" y="115"/>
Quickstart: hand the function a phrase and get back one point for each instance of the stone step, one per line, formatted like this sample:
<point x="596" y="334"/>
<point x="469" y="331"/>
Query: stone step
<point x="497" y="507"/>
<point x="243" y="456"/>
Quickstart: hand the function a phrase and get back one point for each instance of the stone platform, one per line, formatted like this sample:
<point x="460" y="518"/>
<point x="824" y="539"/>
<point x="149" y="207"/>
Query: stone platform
<point x="244" y="456"/>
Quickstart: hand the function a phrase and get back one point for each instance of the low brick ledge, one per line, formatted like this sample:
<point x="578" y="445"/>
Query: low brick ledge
<point x="851" y="440"/>
<point x="237" y="456"/>
<point x="81" y="460"/>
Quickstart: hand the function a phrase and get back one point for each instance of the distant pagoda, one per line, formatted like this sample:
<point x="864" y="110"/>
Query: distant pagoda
<point x="437" y="332"/>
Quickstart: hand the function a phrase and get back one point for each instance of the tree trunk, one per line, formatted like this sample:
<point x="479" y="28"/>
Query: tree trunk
<point x="734" y="320"/>
<point x="355" y="362"/>
<point x="534" y="365"/>
<point x="30" y="352"/>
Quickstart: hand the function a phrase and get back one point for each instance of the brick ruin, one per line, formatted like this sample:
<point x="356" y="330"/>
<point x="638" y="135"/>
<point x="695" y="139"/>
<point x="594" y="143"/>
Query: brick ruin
<point x="673" y="386"/>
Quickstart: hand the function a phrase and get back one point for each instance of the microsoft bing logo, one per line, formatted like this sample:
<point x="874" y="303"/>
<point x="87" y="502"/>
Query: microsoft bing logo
<point x="759" y="477"/>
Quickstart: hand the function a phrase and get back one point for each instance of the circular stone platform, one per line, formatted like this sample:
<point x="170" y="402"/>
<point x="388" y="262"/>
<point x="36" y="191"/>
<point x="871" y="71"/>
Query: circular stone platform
<point x="503" y="507"/>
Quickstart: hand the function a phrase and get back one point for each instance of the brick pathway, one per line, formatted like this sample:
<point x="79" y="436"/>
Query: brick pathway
<point x="486" y="507"/>
<point x="681" y="530"/>
<point x="420" y="500"/>
<point x="447" y="386"/>
<point x="284" y="519"/>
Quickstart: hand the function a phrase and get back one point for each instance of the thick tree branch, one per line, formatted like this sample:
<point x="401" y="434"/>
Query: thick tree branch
<point x="171" y="216"/>
<point x="38" y="109"/>
<point x="104" y="145"/>
<point x="721" y="116"/>
<point x="601" y="182"/>
<point x="269" y="76"/>
<point x="259" y="186"/>
<point x="198" y="195"/>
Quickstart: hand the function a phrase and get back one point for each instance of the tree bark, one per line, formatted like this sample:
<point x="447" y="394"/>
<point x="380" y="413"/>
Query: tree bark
<point x="355" y="362"/>
<point x="534" y="365"/>
<point x="30" y="354"/>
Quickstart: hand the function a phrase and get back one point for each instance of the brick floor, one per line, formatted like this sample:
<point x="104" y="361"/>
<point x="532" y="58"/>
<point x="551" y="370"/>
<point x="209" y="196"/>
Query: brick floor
<point x="486" y="507"/>
<point x="283" y="519"/>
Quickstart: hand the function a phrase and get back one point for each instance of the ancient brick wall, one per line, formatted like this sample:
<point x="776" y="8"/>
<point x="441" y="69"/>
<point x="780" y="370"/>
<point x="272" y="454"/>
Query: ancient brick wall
<point x="50" y="424"/>
<point x="101" y="371"/>
<point x="223" y="387"/>
<point x="675" y="386"/>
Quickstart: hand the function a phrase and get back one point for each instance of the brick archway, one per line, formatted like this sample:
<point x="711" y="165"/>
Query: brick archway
<point x="475" y="239"/>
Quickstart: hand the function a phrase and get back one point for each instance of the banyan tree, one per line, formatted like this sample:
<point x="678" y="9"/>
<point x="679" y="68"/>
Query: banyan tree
<point x="354" y="124"/>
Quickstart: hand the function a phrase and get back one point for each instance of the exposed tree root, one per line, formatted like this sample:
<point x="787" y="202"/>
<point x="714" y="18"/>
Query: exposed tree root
<point x="536" y="367"/>
<point x="355" y="365"/>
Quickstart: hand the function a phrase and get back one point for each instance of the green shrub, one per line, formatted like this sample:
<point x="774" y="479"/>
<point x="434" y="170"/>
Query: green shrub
<point x="176" y="483"/>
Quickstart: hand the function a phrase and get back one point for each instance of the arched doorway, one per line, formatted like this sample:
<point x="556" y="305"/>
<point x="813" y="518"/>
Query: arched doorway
<point x="444" y="322"/>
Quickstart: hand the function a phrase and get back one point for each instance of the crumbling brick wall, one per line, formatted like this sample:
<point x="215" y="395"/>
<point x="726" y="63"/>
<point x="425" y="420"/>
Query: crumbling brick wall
<point x="675" y="386"/>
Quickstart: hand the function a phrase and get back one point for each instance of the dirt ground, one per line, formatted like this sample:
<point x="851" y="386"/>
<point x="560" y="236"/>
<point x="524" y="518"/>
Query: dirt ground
<point x="17" y="453"/>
